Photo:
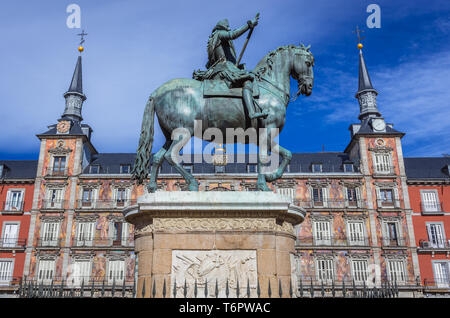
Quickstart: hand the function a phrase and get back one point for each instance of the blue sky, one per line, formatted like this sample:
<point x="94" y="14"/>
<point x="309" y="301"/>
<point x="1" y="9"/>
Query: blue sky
<point x="135" y="46"/>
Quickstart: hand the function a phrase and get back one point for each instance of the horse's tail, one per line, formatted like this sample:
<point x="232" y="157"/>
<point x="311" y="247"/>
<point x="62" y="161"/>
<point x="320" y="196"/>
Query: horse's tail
<point x="140" y="169"/>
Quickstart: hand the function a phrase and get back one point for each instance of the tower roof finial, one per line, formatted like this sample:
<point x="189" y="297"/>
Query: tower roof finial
<point x="82" y="34"/>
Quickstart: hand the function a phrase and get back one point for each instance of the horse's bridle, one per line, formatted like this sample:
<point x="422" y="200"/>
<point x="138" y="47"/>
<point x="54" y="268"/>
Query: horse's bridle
<point x="285" y="98"/>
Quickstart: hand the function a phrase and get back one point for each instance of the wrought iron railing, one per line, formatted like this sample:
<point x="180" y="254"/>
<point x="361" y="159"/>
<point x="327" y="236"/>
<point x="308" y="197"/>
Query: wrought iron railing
<point x="105" y="204"/>
<point x="431" y="207"/>
<point x="53" y="204"/>
<point x="388" y="204"/>
<point x="425" y="244"/>
<point x="12" y="242"/>
<point x="330" y="203"/>
<point x="443" y="283"/>
<point x="103" y="242"/>
<point x="48" y="243"/>
<point x="12" y="206"/>
<point x="56" y="172"/>
<point x="396" y="242"/>
<point x="334" y="241"/>
<point x="382" y="170"/>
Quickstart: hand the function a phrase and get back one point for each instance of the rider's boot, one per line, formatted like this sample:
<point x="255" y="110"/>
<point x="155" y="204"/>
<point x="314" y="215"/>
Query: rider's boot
<point x="247" y="95"/>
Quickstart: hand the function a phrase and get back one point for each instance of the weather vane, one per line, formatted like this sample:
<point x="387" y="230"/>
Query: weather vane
<point x="82" y="34"/>
<point x="360" y="38"/>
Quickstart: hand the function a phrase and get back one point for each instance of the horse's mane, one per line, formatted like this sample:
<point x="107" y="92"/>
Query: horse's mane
<point x="265" y="65"/>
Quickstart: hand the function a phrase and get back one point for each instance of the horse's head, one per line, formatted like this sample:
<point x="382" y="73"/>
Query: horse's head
<point x="302" y="69"/>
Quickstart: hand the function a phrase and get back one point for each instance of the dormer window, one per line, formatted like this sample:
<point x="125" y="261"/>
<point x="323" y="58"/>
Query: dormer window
<point x="251" y="168"/>
<point x="59" y="165"/>
<point x="2" y="170"/>
<point x="125" y="168"/>
<point x="94" y="169"/>
<point x="219" y="169"/>
<point x="316" y="167"/>
<point x="348" y="167"/>
<point x="189" y="168"/>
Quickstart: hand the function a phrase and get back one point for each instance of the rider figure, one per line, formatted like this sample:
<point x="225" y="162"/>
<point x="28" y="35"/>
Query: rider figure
<point x="222" y="62"/>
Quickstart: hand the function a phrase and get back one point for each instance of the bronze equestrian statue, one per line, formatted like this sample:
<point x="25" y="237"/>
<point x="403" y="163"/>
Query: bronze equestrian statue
<point x="215" y="98"/>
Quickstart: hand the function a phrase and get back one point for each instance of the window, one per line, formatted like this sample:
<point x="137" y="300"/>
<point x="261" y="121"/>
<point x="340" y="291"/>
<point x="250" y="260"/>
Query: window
<point x="288" y="193"/>
<point x="94" y="169"/>
<point x="55" y="198"/>
<point x="116" y="271"/>
<point x="436" y="235"/>
<point x="322" y="233"/>
<point x="324" y="270"/>
<point x="316" y="167"/>
<point x="85" y="233"/>
<point x="46" y="271"/>
<point x="59" y="165"/>
<point x="386" y="197"/>
<point x="121" y="196"/>
<point x="14" y="200"/>
<point x="396" y="271"/>
<point x="319" y="196"/>
<point x="391" y="234"/>
<point x="120" y="233"/>
<point x="352" y="197"/>
<point x="348" y="167"/>
<point x="252" y="168"/>
<point x="359" y="271"/>
<point x="442" y="274"/>
<point x="9" y="235"/>
<point x="87" y="197"/>
<point x="81" y="272"/>
<point x="382" y="163"/>
<point x="6" y="271"/>
<point x="356" y="233"/>
<point x="125" y="168"/>
<point x="430" y="201"/>
<point x="49" y="233"/>
<point x="2" y="169"/>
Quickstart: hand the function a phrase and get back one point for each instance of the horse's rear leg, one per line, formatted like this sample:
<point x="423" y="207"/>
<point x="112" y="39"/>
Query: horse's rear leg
<point x="190" y="180"/>
<point x="158" y="159"/>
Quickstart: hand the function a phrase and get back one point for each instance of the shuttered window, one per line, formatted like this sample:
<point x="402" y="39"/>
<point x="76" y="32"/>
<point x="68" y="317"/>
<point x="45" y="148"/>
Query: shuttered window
<point x="396" y="269"/>
<point x="359" y="269"/>
<point x="116" y="271"/>
<point x="430" y="201"/>
<point x="10" y="234"/>
<point x="322" y="233"/>
<point x="49" y="233"/>
<point x="46" y="271"/>
<point x="436" y="235"/>
<point x="442" y="274"/>
<point x="81" y="270"/>
<point x="288" y="193"/>
<point x="382" y="163"/>
<point x="6" y="268"/>
<point x="14" y="200"/>
<point x="324" y="268"/>
<point x="85" y="233"/>
<point x="356" y="233"/>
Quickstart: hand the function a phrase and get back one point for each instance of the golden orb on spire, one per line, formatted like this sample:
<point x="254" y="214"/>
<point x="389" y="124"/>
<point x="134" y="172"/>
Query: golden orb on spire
<point x="360" y="46"/>
<point x="80" y="49"/>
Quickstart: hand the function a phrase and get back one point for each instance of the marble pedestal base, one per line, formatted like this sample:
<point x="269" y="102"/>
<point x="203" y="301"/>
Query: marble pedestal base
<point x="209" y="238"/>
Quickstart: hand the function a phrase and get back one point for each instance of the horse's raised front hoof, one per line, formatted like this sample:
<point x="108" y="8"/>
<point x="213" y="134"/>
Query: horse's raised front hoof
<point x="152" y="187"/>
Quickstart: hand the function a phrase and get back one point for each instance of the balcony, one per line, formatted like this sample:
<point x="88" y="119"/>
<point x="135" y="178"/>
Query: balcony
<point x="333" y="242"/>
<point x="48" y="243"/>
<point x="104" y="204"/>
<point x="57" y="172"/>
<point x="432" y="208"/>
<point x="394" y="243"/>
<point x="12" y="243"/>
<point x="388" y="204"/>
<point x="53" y="204"/>
<point x="12" y="207"/>
<point x="434" y="246"/>
<point x="331" y="204"/>
<point x="436" y="284"/>
<point x="383" y="170"/>
<point x="102" y="243"/>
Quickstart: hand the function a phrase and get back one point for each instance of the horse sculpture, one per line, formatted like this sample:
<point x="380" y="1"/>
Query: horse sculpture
<point x="180" y="102"/>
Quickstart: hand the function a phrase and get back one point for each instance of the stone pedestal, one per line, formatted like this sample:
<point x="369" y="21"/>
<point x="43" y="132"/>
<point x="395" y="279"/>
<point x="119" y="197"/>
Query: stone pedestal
<point x="208" y="240"/>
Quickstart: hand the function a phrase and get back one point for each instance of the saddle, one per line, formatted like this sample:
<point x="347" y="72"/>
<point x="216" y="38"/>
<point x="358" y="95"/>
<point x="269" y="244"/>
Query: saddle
<point x="218" y="88"/>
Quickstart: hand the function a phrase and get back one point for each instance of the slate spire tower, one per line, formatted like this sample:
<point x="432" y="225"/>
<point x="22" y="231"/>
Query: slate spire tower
<point x="74" y="95"/>
<point x="366" y="95"/>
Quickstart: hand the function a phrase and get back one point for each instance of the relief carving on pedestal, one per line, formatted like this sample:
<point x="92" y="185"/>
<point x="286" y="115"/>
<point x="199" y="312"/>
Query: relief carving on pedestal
<point x="207" y="267"/>
<point x="221" y="224"/>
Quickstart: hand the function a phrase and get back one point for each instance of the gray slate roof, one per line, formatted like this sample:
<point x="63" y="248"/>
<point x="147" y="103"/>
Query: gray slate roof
<point x="19" y="169"/>
<point x="301" y="162"/>
<point x="427" y="168"/>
